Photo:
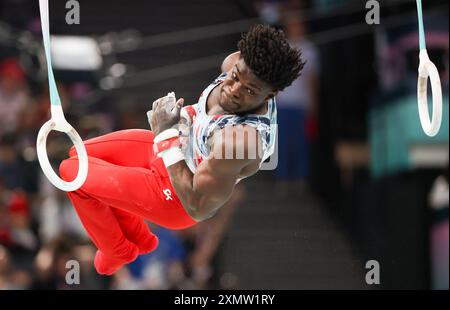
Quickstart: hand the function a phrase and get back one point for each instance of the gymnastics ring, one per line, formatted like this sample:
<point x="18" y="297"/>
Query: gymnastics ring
<point x="427" y="69"/>
<point x="57" y="122"/>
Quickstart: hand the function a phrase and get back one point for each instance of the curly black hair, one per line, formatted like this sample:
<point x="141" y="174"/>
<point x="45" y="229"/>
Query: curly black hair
<point x="270" y="57"/>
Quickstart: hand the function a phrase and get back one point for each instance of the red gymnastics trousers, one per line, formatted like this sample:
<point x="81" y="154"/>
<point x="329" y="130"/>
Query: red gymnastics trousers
<point x="126" y="184"/>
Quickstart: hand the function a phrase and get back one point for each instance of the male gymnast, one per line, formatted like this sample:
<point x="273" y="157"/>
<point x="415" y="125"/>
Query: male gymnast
<point x="176" y="181"/>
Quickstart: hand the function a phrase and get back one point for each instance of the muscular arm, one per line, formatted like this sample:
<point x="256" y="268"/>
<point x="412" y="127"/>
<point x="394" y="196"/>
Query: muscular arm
<point x="204" y="192"/>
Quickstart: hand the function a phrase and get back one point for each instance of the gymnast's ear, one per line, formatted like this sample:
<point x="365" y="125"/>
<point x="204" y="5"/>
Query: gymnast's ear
<point x="230" y="61"/>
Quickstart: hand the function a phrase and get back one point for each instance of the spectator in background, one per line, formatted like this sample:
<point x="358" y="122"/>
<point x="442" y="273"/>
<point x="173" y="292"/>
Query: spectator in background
<point x="50" y="266"/>
<point x="10" y="163"/>
<point x="15" y="228"/>
<point x="47" y="265"/>
<point x="11" y="278"/>
<point x="297" y="110"/>
<point x="13" y="94"/>
<point x="58" y="217"/>
<point x="161" y="269"/>
<point x="205" y="241"/>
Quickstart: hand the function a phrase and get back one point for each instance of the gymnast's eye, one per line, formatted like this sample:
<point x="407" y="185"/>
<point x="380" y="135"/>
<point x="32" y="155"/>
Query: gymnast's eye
<point x="234" y="76"/>
<point x="250" y="92"/>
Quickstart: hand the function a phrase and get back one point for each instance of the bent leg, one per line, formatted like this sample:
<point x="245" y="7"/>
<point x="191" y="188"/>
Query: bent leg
<point x="125" y="173"/>
<point x="119" y="235"/>
<point x="130" y="148"/>
<point x="126" y="188"/>
<point x="105" y="231"/>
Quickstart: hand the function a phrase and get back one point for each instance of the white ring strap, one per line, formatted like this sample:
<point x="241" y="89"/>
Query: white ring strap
<point x="427" y="69"/>
<point x="57" y="122"/>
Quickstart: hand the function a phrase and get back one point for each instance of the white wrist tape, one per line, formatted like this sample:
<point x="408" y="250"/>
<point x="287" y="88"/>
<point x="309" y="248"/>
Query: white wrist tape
<point x="167" y="134"/>
<point x="173" y="154"/>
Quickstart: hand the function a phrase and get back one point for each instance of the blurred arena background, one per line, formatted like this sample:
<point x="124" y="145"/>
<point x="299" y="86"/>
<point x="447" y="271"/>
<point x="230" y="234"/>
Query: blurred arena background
<point x="357" y="179"/>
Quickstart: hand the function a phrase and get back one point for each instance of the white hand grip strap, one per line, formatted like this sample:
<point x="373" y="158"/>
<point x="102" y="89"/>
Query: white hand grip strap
<point x="59" y="123"/>
<point x="428" y="69"/>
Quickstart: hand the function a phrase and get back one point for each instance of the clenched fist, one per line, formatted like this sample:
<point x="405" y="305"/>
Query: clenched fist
<point x="165" y="113"/>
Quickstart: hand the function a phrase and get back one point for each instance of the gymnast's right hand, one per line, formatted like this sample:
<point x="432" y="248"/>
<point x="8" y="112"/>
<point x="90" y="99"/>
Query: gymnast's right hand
<point x="165" y="113"/>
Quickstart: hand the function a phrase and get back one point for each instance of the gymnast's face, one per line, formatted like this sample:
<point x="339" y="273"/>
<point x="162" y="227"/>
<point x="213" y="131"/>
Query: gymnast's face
<point x="242" y="92"/>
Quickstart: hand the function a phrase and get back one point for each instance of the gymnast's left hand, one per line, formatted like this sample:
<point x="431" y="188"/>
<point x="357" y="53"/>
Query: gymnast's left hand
<point x="165" y="113"/>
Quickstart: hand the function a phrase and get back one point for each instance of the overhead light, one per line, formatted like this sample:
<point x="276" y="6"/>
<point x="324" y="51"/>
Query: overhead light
<point x="75" y="53"/>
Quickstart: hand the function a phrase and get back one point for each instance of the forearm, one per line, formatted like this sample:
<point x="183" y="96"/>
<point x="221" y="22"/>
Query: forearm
<point x="194" y="202"/>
